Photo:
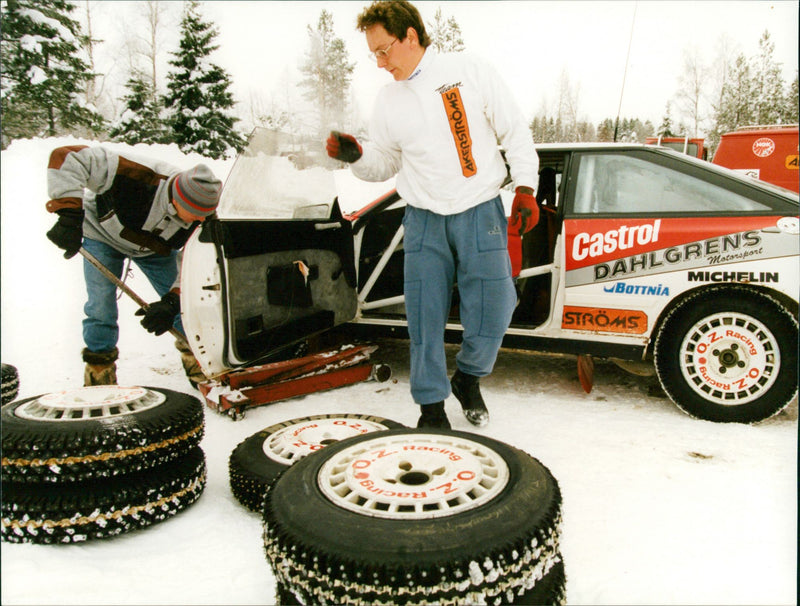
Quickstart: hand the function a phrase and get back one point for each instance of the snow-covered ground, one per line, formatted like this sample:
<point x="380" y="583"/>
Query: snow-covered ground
<point x="659" y="508"/>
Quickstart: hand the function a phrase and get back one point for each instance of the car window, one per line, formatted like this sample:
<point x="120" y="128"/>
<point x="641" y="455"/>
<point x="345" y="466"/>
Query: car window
<point x="617" y="183"/>
<point x="271" y="180"/>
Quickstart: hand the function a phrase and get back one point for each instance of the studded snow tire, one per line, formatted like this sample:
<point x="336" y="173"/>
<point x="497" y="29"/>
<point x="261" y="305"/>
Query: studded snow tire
<point x="96" y="509"/>
<point x="258" y="461"/>
<point x="10" y="380"/>
<point x="729" y="354"/>
<point x="416" y="516"/>
<point x="97" y="432"/>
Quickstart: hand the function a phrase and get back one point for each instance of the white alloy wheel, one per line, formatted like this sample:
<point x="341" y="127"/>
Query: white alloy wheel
<point x="90" y="403"/>
<point x="730" y="357"/>
<point x="302" y="438"/>
<point x="416" y="516"/>
<point x="257" y="462"/>
<point x="728" y="354"/>
<point x="410" y="477"/>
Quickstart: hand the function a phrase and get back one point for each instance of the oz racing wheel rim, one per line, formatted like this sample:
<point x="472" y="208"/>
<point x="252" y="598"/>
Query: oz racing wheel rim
<point x="90" y="403"/>
<point x="412" y="477"/>
<point x="730" y="358"/>
<point x="300" y="439"/>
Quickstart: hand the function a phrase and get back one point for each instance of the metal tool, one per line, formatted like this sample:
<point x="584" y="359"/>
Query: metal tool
<point x="124" y="287"/>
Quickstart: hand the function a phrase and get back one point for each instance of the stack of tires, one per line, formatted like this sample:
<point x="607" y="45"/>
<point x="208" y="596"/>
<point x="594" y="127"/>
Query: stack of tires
<point x="392" y="515"/>
<point x="95" y="462"/>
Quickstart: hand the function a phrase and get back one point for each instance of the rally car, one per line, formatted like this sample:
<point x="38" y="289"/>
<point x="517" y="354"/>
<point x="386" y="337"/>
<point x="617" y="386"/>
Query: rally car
<point x="642" y="255"/>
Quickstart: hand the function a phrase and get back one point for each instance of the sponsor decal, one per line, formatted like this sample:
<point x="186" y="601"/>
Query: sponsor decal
<point x="622" y="288"/>
<point x="792" y="162"/>
<point x="591" y="241"/>
<point x="734" y="276"/>
<point x="364" y="471"/>
<point x="594" y="319"/>
<point x="763" y="147"/>
<point x="706" y="356"/>
<point x="676" y="244"/>
<point x="457" y="117"/>
<point x="725" y="249"/>
<point x="623" y="238"/>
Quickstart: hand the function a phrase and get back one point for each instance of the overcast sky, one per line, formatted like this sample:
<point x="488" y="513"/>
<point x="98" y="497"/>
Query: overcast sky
<point x="532" y="43"/>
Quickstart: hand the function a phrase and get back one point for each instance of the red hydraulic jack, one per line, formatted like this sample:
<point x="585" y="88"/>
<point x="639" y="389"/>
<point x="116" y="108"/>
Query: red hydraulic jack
<point x="233" y="392"/>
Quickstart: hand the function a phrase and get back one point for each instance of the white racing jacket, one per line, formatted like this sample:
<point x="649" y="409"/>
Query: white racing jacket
<point x="438" y="131"/>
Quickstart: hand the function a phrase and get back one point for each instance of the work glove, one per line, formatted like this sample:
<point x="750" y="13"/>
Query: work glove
<point x="341" y="146"/>
<point x="67" y="233"/>
<point x="524" y="210"/>
<point x="159" y="316"/>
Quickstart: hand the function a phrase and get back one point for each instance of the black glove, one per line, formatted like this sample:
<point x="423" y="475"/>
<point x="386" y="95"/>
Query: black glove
<point x="160" y="315"/>
<point x="67" y="233"/>
<point x="343" y="147"/>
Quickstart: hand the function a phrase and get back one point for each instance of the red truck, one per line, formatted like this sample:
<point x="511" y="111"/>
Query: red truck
<point x="692" y="147"/>
<point x="769" y="153"/>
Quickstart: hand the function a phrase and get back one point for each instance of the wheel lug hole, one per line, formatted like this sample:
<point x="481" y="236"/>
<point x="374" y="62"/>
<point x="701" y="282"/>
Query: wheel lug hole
<point x="414" y="478"/>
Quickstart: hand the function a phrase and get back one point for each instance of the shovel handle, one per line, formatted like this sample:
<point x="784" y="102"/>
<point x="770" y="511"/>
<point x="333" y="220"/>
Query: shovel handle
<point x="124" y="287"/>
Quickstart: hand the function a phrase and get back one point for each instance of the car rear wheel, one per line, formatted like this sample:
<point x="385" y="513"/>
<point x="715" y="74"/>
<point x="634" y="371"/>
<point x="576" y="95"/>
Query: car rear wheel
<point x="416" y="516"/>
<point x="729" y="355"/>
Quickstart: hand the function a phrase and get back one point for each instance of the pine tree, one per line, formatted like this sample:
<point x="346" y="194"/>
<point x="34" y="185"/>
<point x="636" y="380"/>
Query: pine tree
<point x="141" y="122"/>
<point x="328" y="74"/>
<point x="737" y="106"/>
<point x="767" y="84"/>
<point x="665" y="128"/>
<point x="198" y="98"/>
<point x="605" y="130"/>
<point x="753" y="92"/>
<point x="791" y="111"/>
<point x="445" y="34"/>
<point x="586" y="131"/>
<point x="536" y="129"/>
<point x="43" y="75"/>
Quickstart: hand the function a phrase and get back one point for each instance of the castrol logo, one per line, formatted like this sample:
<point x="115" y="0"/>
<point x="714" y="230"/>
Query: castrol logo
<point x="625" y="237"/>
<point x="763" y="147"/>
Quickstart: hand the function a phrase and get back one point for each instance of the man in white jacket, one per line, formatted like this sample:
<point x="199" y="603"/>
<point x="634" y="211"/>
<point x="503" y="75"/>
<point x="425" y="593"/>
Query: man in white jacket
<point x="437" y="128"/>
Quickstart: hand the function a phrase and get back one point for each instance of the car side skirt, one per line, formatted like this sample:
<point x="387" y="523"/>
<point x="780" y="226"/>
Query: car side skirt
<point x="513" y="341"/>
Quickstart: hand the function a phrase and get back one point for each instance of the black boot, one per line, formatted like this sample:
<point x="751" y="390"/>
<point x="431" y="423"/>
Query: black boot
<point x="433" y="415"/>
<point x="466" y="388"/>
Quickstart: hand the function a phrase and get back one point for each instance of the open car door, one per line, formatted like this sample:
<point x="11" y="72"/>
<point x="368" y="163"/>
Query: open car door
<point x="275" y="266"/>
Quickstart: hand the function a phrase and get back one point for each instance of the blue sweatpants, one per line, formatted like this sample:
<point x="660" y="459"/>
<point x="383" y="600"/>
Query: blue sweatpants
<point x="472" y="248"/>
<point x="100" y="327"/>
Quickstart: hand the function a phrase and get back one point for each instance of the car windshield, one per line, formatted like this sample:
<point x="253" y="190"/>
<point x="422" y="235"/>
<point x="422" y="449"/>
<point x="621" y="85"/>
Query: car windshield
<point x="279" y="176"/>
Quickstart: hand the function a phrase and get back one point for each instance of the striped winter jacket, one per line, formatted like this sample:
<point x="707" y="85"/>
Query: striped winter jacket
<point x="126" y="202"/>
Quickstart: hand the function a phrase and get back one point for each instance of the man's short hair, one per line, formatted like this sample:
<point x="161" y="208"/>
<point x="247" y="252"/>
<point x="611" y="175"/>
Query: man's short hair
<point x="396" y="16"/>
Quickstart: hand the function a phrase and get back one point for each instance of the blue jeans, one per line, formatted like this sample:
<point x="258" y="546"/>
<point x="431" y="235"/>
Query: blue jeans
<point x="472" y="248"/>
<point x="100" y="328"/>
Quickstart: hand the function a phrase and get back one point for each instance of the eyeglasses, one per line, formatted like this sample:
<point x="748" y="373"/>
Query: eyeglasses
<point x="381" y="53"/>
